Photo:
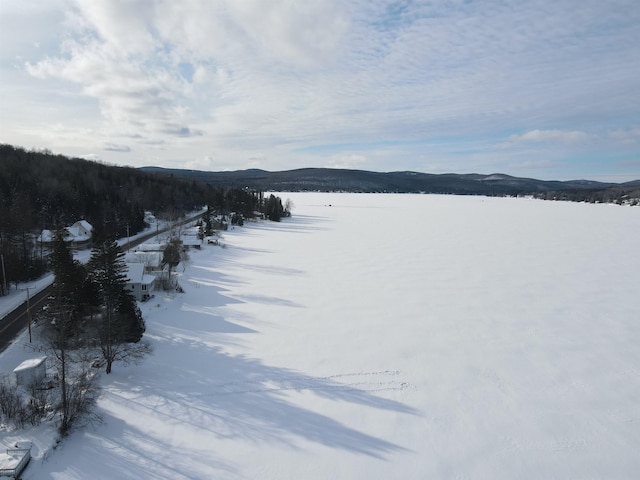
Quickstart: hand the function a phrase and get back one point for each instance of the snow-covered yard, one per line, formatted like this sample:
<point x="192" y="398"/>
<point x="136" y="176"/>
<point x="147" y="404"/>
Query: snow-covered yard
<point x="382" y="336"/>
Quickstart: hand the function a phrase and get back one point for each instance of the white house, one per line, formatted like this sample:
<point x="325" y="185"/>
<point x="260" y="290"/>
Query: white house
<point x="191" y="242"/>
<point x="81" y="231"/>
<point x="191" y="232"/>
<point x="139" y="283"/>
<point x="150" y="247"/>
<point x="79" y="234"/>
<point x="152" y="261"/>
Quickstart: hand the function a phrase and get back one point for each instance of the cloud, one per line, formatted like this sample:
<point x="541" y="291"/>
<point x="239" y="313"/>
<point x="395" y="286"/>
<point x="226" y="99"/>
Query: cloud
<point x="228" y="79"/>
<point x="631" y="163"/>
<point x="347" y="161"/>
<point x="183" y="132"/>
<point x="532" y="165"/>
<point x="627" y="136"/>
<point x="204" y="163"/>
<point x="551" y="136"/>
<point x="90" y="156"/>
<point x="112" y="147"/>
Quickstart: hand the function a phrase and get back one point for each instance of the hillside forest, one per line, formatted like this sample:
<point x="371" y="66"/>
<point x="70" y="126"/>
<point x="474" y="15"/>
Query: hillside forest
<point x="44" y="191"/>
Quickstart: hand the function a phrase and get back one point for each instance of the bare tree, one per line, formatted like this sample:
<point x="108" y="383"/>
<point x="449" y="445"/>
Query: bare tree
<point x="116" y="348"/>
<point x="171" y="257"/>
<point x="288" y="207"/>
<point x="10" y="400"/>
<point x="77" y="382"/>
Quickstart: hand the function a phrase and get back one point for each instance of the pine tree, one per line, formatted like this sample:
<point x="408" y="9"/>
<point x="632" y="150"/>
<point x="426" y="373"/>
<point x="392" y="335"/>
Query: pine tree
<point x="68" y="290"/>
<point x="273" y="208"/>
<point x="121" y="321"/>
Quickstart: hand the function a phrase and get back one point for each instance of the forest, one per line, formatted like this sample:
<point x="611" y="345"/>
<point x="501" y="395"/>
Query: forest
<point x="40" y="190"/>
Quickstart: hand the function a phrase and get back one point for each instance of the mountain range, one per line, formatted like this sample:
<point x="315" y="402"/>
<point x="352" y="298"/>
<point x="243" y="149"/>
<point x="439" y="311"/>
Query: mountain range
<point x="328" y="179"/>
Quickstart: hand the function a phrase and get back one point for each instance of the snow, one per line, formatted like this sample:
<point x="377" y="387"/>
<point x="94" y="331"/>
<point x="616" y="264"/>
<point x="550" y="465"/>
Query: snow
<point x="9" y="461"/>
<point x="382" y="336"/>
<point x="29" y="364"/>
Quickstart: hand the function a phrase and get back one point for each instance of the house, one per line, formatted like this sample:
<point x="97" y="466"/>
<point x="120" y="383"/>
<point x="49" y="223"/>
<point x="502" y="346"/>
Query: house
<point x="150" y="247"/>
<point x="83" y="228"/>
<point x="191" y="242"/>
<point x="139" y="283"/>
<point x="78" y="235"/>
<point x="151" y="260"/>
<point x="31" y="371"/>
<point x="192" y="232"/>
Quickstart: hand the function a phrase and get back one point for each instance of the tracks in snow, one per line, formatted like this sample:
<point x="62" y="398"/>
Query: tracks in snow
<point x="385" y="380"/>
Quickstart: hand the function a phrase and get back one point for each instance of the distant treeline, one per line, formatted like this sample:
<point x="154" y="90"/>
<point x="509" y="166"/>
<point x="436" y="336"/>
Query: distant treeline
<point x="40" y="190"/>
<point x="620" y="195"/>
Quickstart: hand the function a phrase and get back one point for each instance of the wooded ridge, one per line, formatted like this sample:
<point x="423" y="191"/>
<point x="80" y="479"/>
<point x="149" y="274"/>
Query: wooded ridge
<point x="327" y="179"/>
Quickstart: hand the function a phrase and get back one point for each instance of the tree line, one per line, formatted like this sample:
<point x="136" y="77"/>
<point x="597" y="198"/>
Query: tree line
<point x="91" y="320"/>
<point x="620" y="195"/>
<point x="41" y="190"/>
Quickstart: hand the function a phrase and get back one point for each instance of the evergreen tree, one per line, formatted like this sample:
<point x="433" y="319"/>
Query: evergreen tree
<point x="69" y="292"/>
<point x="273" y="208"/>
<point x="207" y="226"/>
<point x="121" y="321"/>
<point x="63" y="335"/>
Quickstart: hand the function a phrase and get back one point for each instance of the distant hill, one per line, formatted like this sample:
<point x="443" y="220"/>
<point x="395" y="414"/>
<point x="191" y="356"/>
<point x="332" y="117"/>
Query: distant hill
<point x="328" y="179"/>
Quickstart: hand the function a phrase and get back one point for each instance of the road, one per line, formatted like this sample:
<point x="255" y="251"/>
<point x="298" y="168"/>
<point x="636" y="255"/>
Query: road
<point x="16" y="321"/>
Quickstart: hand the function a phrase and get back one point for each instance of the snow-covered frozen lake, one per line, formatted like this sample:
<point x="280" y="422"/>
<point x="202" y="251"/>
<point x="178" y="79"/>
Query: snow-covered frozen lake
<point x="386" y="336"/>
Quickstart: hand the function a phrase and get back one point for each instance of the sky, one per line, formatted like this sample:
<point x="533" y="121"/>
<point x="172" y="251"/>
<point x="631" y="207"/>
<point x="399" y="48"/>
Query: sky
<point x="546" y="89"/>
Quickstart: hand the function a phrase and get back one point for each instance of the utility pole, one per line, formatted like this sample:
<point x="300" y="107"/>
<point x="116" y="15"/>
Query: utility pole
<point x="127" y="238"/>
<point x="4" y="277"/>
<point x="28" y="309"/>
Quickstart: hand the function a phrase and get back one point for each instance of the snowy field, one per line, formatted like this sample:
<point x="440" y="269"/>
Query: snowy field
<point x="384" y="336"/>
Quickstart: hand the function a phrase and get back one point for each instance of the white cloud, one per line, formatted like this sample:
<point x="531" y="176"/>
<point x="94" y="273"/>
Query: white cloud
<point x="229" y="78"/>
<point x="550" y="136"/>
<point x="112" y="147"/>
<point x="124" y="25"/>
<point x="90" y="156"/>
<point x="349" y="161"/>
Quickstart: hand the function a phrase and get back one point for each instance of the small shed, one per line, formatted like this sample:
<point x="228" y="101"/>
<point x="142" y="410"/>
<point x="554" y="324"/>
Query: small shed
<point x="31" y="371"/>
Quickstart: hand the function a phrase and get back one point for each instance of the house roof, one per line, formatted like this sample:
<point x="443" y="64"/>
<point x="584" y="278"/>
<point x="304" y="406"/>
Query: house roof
<point x="150" y="247"/>
<point x="135" y="271"/>
<point x="86" y="225"/>
<point x="47" y="236"/>
<point x="135" y="274"/>
<point x="78" y="235"/>
<point x="149" y="259"/>
<point x="191" y="232"/>
<point x="191" y="241"/>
